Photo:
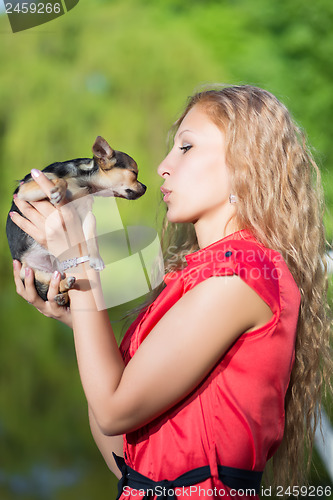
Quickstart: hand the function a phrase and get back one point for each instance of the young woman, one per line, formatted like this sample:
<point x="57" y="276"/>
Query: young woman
<point x="229" y="360"/>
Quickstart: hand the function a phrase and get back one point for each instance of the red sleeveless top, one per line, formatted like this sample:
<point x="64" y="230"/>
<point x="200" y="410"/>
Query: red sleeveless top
<point x="235" y="417"/>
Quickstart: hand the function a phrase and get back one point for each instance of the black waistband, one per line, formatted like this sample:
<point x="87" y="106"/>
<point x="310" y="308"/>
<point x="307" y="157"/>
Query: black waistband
<point x="237" y="479"/>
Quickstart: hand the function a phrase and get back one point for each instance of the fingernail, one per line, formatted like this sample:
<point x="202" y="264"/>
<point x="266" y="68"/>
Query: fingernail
<point x="15" y="263"/>
<point x="27" y="271"/>
<point x="11" y="214"/>
<point x="35" y="172"/>
<point x="55" y="275"/>
<point x="15" y="195"/>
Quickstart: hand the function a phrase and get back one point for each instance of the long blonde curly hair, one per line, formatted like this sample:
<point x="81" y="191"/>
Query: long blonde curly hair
<point x="280" y="200"/>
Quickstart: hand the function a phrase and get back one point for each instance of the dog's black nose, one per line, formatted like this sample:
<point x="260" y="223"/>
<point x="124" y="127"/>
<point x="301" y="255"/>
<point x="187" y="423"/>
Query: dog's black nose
<point x="132" y="195"/>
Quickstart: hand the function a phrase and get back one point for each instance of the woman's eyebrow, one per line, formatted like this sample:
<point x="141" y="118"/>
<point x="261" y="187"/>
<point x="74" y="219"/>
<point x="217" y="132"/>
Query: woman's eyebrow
<point x="183" y="132"/>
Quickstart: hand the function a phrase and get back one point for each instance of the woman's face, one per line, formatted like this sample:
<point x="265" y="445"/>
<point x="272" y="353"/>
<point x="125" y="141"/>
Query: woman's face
<point x="197" y="180"/>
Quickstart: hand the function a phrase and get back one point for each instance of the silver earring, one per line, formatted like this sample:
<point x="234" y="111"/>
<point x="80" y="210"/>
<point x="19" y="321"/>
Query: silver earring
<point x="232" y="198"/>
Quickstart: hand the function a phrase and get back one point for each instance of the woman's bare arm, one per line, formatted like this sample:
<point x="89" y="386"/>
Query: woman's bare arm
<point x="177" y="354"/>
<point x="107" y="445"/>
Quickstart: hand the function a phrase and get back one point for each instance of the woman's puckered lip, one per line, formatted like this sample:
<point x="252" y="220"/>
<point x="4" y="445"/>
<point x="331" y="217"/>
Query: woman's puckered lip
<point x="164" y="190"/>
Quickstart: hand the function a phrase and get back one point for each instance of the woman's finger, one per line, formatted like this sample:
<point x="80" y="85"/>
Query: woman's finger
<point x="27" y="289"/>
<point x="29" y="211"/>
<point x="54" y="288"/>
<point x="33" y="223"/>
<point x="17" y="279"/>
<point x="44" y="183"/>
<point x="31" y="294"/>
<point x="50" y="307"/>
<point x="44" y="207"/>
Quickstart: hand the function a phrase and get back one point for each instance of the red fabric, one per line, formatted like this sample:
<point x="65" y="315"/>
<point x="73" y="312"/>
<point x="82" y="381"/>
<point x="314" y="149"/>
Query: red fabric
<point x="235" y="417"/>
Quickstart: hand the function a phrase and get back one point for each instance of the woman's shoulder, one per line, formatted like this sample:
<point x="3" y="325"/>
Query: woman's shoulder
<point x="262" y="268"/>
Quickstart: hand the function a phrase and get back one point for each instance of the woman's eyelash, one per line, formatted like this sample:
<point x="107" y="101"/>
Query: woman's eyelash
<point x="185" y="148"/>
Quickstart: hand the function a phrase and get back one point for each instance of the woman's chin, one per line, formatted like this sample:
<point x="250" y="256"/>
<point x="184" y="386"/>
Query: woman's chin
<point x="174" y="219"/>
<point x="178" y="218"/>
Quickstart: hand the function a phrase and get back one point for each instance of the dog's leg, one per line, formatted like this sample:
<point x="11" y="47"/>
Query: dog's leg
<point x="30" y="190"/>
<point x="89" y="230"/>
<point x="65" y="284"/>
<point x="61" y="299"/>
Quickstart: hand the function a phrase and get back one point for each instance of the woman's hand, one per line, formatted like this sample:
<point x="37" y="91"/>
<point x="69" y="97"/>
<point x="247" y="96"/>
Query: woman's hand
<point x="28" y="292"/>
<point x="58" y="229"/>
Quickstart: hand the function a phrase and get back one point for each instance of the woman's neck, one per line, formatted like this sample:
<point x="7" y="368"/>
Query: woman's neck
<point x="209" y="233"/>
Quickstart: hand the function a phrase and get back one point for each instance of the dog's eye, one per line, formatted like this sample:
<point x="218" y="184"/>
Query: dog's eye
<point x="185" y="148"/>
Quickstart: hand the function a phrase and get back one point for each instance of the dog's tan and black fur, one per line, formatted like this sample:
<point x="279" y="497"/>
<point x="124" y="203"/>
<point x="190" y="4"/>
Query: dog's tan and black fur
<point x="109" y="172"/>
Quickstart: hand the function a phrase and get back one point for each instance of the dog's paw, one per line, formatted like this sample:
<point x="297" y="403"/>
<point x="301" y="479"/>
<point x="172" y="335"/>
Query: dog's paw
<point x="67" y="283"/>
<point x="56" y="196"/>
<point x="70" y="282"/>
<point x="61" y="299"/>
<point x="58" y="192"/>
<point x="96" y="263"/>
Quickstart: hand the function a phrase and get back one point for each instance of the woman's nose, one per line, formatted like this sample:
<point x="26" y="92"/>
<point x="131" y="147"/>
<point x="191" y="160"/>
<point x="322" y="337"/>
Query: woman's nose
<point x="164" y="167"/>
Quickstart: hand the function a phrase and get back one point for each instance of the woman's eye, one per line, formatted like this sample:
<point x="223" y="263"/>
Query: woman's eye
<point x="185" y="148"/>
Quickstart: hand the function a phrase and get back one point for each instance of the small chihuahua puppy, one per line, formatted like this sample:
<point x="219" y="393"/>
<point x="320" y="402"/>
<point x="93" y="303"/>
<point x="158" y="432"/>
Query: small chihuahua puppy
<point x="109" y="170"/>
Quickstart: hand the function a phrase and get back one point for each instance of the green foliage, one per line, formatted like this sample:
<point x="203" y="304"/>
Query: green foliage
<point x="123" y="70"/>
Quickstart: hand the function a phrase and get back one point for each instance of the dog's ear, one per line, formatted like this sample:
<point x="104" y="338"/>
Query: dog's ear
<point x="101" y="149"/>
